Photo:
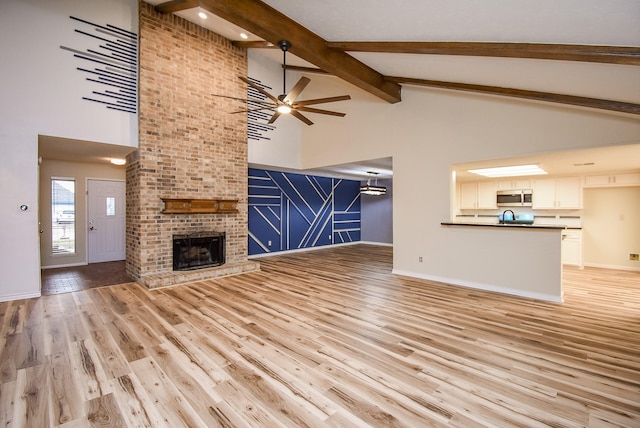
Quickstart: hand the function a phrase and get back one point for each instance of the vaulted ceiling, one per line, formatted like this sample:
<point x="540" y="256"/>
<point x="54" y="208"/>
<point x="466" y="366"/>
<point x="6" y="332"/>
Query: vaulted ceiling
<point x="584" y="53"/>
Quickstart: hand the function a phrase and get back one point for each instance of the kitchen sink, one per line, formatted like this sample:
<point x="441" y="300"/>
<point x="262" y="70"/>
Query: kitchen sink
<point x="516" y="219"/>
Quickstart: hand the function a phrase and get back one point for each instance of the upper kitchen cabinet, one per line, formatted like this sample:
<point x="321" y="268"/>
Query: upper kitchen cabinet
<point x="480" y="195"/>
<point x="514" y="184"/>
<point x="557" y="193"/>
<point x="610" y="180"/>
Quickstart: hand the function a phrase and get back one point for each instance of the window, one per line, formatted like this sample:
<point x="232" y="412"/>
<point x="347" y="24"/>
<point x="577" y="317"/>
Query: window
<point x="63" y="216"/>
<point x="111" y="206"/>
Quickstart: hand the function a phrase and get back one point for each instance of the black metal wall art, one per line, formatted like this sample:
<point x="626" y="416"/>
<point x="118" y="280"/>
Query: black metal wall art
<point x="112" y="64"/>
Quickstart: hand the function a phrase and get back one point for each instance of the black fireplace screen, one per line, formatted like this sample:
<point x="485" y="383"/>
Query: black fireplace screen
<point x="198" y="250"/>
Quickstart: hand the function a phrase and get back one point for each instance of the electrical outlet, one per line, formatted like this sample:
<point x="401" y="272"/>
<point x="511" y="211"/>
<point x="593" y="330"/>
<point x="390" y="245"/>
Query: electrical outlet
<point x="420" y="259"/>
<point x="269" y="243"/>
<point x="634" y="257"/>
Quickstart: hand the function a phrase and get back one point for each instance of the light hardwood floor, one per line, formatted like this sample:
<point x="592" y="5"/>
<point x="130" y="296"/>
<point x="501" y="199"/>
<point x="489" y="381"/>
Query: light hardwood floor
<point x="324" y="338"/>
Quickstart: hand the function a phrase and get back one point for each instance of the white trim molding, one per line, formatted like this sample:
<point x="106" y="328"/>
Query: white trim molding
<point x="481" y="286"/>
<point x="20" y="296"/>
<point x="322" y="247"/>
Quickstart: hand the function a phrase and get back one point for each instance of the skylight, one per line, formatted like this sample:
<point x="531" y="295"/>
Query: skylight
<point x="509" y="171"/>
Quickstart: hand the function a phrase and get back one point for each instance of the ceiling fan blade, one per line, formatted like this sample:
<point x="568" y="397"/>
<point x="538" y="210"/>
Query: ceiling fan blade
<point x="320" y="111"/>
<point x="259" y="89"/>
<point x="274" y="117"/>
<point x="301" y="117"/>
<point x="322" y="100"/>
<point x="295" y="91"/>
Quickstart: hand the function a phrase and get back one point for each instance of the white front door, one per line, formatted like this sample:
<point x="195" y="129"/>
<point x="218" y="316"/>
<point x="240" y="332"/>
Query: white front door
<point x="106" y="220"/>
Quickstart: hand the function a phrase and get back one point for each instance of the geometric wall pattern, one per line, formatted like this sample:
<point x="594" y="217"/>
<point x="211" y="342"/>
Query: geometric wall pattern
<point x="290" y="211"/>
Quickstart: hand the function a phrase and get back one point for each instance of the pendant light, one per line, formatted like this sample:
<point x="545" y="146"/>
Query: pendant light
<point x="372" y="189"/>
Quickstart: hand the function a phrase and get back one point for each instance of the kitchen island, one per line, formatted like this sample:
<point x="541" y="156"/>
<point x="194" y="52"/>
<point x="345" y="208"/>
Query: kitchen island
<point x="518" y="259"/>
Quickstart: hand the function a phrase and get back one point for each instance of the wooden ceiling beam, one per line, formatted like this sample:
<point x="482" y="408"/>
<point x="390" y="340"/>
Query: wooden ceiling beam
<point x="177" y="5"/>
<point x="627" y="55"/>
<point x="269" y="24"/>
<point x="305" y="69"/>
<point x="254" y="44"/>
<point x="596" y="103"/>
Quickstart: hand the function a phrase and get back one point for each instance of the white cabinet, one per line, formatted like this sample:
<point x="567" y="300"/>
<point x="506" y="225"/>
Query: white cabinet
<point x="487" y="195"/>
<point x="557" y="193"/>
<point x="630" y="179"/>
<point x="571" y="247"/>
<point x="568" y="192"/>
<point x="480" y="195"/>
<point x="544" y="193"/>
<point x="468" y="196"/>
<point x="514" y="184"/>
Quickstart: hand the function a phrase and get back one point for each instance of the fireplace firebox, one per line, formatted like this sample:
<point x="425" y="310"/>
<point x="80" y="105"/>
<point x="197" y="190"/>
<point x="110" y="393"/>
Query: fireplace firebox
<point x="198" y="250"/>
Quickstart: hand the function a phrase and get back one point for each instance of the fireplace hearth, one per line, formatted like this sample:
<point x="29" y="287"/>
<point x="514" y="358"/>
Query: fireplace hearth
<point x="198" y="250"/>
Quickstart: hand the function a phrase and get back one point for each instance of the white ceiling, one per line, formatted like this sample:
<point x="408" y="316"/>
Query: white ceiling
<point x="577" y="162"/>
<point x="67" y="149"/>
<point x="611" y="22"/>
<point x="591" y="22"/>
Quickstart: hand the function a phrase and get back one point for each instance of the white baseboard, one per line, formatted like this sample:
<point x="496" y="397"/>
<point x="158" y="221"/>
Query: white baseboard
<point x="19" y="296"/>
<point x="300" y="250"/>
<point x="65" y="265"/>
<point x="481" y="286"/>
<point x="380" y="244"/>
<point x="614" y="267"/>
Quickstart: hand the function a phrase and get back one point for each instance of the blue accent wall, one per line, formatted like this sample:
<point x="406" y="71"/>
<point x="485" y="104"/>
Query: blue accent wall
<point x="290" y="211"/>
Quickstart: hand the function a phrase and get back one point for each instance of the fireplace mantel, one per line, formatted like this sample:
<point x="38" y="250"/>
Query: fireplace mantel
<point x="199" y="206"/>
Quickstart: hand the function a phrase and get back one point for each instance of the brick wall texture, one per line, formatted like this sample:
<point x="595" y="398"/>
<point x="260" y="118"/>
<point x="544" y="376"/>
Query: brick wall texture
<point x="190" y="145"/>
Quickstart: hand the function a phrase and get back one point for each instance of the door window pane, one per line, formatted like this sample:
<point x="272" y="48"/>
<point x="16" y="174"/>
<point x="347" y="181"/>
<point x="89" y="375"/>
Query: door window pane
<point x="111" y="205"/>
<point x="63" y="220"/>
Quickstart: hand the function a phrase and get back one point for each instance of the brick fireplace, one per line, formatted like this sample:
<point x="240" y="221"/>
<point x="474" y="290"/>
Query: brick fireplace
<point x="190" y="146"/>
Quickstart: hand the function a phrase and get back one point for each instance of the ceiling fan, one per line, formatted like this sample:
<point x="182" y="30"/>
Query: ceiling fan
<point x="286" y="103"/>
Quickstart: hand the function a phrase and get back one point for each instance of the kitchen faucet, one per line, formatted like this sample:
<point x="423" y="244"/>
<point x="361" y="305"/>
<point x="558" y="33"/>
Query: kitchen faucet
<point x="504" y="214"/>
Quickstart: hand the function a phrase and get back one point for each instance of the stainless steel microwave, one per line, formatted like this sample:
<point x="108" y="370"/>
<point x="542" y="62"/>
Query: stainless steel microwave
<point x="514" y="198"/>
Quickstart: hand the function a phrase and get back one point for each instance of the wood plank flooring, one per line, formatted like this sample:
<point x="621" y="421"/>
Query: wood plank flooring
<point x="324" y="338"/>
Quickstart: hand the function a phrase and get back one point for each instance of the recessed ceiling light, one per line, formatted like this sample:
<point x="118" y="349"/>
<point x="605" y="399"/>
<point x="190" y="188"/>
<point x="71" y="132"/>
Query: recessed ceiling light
<point x="244" y="36"/>
<point x="202" y="15"/>
<point x="509" y="171"/>
<point x="117" y="161"/>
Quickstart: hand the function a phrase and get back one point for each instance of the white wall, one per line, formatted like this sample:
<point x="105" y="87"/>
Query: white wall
<point x="282" y="149"/>
<point x="41" y="94"/>
<point x="428" y="132"/>
<point x="611" y="227"/>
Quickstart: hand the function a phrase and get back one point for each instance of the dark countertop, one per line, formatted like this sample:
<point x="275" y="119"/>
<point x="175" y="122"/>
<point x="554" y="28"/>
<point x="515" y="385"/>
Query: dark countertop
<point x="500" y="225"/>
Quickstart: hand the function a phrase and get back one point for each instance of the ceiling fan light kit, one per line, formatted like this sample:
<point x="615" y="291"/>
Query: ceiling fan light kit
<point x="284" y="109"/>
<point x="286" y="103"/>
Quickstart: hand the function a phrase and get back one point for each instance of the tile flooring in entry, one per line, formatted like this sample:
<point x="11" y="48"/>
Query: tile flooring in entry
<point x="76" y="278"/>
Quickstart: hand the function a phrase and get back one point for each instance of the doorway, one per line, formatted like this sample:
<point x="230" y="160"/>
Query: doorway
<point x="105" y="220"/>
<point x="611" y="227"/>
